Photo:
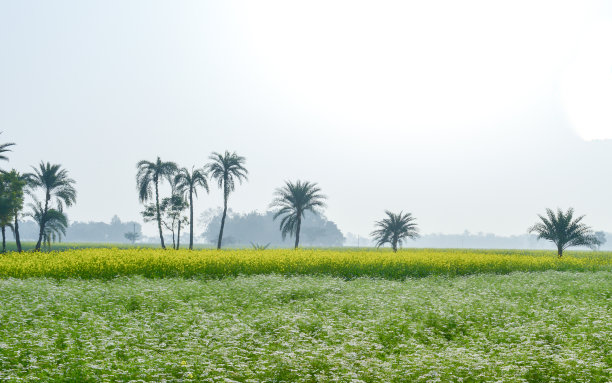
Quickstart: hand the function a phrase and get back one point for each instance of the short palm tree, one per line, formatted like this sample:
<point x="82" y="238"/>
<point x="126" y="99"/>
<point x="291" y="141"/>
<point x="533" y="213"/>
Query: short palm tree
<point x="149" y="175"/>
<point x="55" y="183"/>
<point x="564" y="230"/>
<point x="226" y="169"/>
<point x="4" y="148"/>
<point x="395" y="229"/>
<point x="187" y="183"/>
<point x="54" y="222"/>
<point x="292" y="201"/>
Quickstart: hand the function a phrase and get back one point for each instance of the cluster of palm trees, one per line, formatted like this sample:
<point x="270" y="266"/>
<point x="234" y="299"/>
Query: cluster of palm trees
<point x="226" y="169"/>
<point x="57" y="188"/>
<point x="291" y="202"/>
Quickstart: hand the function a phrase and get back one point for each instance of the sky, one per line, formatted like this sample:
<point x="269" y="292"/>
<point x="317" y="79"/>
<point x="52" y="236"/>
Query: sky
<point x="472" y="115"/>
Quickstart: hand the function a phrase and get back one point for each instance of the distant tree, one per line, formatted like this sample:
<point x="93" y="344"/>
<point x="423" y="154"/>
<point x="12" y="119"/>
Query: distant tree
<point x="261" y="228"/>
<point x="187" y="184"/>
<point x="564" y="231"/>
<point x="291" y="203"/>
<point x="601" y="237"/>
<point x="53" y="221"/>
<point x="226" y="169"/>
<point x="395" y="229"/>
<point x="55" y="183"/>
<point x="4" y="148"/>
<point x="148" y="178"/>
<point x="12" y="186"/>
<point x="133" y="236"/>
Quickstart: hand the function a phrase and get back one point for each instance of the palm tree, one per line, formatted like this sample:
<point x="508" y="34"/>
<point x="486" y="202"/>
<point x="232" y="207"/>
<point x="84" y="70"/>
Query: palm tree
<point x="4" y="148"/>
<point x="149" y="176"/>
<point x="54" y="222"/>
<point x="55" y="183"/>
<point x="394" y="229"/>
<point x="564" y="231"/>
<point x="225" y="168"/>
<point x="188" y="183"/>
<point x="292" y="201"/>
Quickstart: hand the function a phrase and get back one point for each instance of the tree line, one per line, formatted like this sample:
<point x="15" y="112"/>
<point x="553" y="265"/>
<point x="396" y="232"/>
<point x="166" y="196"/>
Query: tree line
<point x="290" y="204"/>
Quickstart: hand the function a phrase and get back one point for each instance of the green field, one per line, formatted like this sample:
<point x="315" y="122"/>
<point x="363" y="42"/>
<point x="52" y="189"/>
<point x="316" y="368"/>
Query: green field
<point x="536" y="327"/>
<point x="281" y="315"/>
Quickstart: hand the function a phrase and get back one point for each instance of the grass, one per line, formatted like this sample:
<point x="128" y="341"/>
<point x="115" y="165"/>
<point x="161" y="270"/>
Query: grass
<point x="531" y="327"/>
<point x="155" y="263"/>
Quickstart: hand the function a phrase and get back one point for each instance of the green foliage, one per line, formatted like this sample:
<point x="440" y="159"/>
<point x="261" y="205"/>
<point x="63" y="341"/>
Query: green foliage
<point x="150" y="174"/>
<point x="54" y="182"/>
<point x="564" y="230"/>
<point x="189" y="182"/>
<point x="395" y="229"/>
<point x="4" y="148"/>
<point x="291" y="203"/>
<point x="523" y="327"/>
<point x="53" y="221"/>
<point x="227" y="168"/>
<point x="12" y="186"/>
<point x="257" y="246"/>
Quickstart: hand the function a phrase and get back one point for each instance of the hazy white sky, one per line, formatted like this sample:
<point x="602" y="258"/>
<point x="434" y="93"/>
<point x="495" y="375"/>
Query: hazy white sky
<point x="471" y="115"/>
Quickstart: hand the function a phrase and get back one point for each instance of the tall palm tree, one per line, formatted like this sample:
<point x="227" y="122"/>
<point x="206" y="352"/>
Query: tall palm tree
<point x="292" y="201"/>
<point x="187" y="183"/>
<point x="148" y="177"/>
<point x="564" y="230"/>
<point x="55" y="183"/>
<point x="226" y="169"/>
<point x="394" y="229"/>
<point x="4" y="148"/>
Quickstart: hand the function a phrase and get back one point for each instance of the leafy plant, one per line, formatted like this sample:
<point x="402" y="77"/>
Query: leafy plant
<point x="292" y="201"/>
<point x="257" y="246"/>
<point x="564" y="230"/>
<point x="395" y="229"/>
<point x="55" y="183"/>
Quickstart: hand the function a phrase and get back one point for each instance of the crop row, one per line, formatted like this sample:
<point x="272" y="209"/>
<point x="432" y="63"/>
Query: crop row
<point x="110" y="263"/>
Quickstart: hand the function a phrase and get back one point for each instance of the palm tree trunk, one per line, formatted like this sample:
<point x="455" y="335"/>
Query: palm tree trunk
<point x="42" y="221"/>
<point x="161" y="235"/>
<point x="394" y="244"/>
<point x="297" y="230"/>
<point x="191" y="218"/>
<point x="173" y="240"/>
<point x="178" y="236"/>
<point x="222" y="221"/>
<point x="17" y="238"/>
<point x="560" y="251"/>
<point x="3" y="239"/>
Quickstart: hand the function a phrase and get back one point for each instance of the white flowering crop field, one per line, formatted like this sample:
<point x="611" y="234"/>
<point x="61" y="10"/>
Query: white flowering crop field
<point x="532" y="327"/>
